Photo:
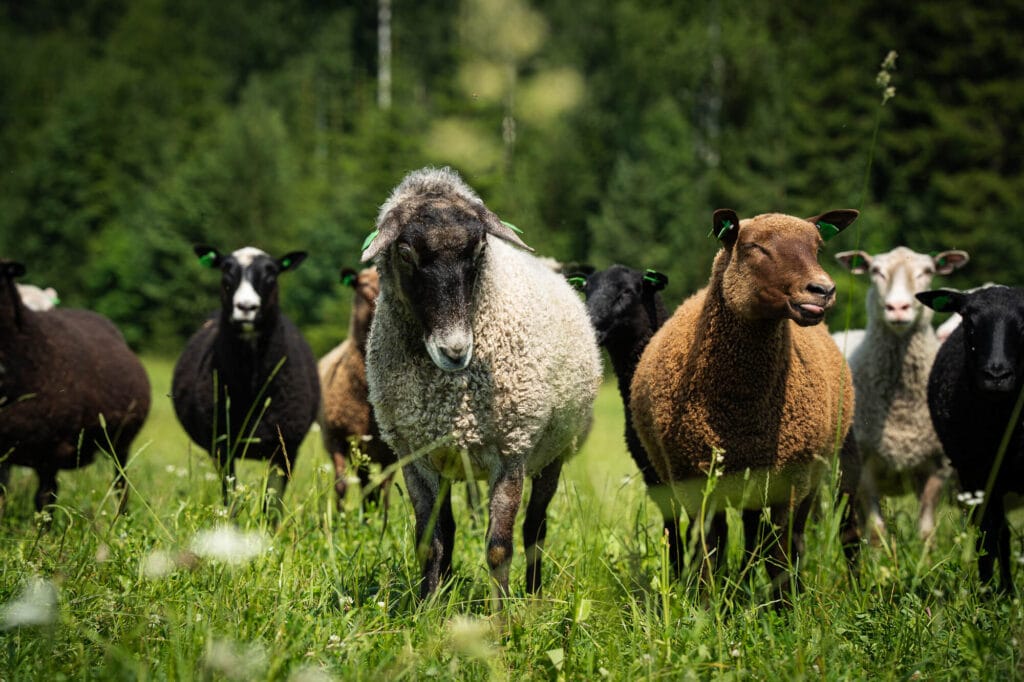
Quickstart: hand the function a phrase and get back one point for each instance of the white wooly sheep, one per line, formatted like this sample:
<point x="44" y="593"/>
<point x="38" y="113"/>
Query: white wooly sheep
<point x="481" y="360"/>
<point x="848" y="340"/>
<point x="890" y="368"/>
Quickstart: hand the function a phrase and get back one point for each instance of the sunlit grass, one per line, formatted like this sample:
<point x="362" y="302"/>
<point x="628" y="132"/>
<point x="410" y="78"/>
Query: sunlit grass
<point x="323" y="596"/>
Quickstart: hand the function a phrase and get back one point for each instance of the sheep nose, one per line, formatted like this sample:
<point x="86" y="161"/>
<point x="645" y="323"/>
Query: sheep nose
<point x="247" y="307"/>
<point x="825" y="289"/>
<point x="455" y="351"/>
<point x="900" y="307"/>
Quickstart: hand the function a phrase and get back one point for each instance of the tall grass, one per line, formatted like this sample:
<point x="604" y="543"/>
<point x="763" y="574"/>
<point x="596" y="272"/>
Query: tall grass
<point x="328" y="596"/>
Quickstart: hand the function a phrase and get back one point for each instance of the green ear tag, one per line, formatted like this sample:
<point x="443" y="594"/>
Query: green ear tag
<point x="941" y="262"/>
<point x="511" y="226"/>
<point x="207" y="259"/>
<point x="827" y="230"/>
<point x="348" y="280"/>
<point x="56" y="300"/>
<point x="369" y="239"/>
<point x="726" y="226"/>
<point x="286" y="263"/>
<point x="652" y="276"/>
<point x="578" y="282"/>
<point x="940" y="303"/>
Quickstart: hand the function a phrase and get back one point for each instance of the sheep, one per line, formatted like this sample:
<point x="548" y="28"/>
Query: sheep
<point x="974" y="392"/>
<point x="848" y="341"/>
<point x="346" y="413"/>
<point x="741" y="381"/>
<point x="626" y="310"/>
<point x="69" y="386"/>
<point x="898" y="447"/>
<point x="246" y="385"/>
<point x="36" y="298"/>
<point x="481" y="363"/>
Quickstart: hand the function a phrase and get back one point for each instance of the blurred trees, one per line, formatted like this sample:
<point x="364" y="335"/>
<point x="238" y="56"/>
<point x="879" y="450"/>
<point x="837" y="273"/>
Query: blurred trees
<point x="607" y="131"/>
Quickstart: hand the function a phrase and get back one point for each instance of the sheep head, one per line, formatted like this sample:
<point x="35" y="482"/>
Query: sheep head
<point x="896" y="277"/>
<point x="991" y="334"/>
<point x="622" y="299"/>
<point x="430" y="244"/>
<point x="249" y="295"/>
<point x="770" y="266"/>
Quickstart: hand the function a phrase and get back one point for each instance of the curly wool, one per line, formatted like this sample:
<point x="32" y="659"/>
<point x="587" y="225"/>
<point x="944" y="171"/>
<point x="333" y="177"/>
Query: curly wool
<point x="527" y="391"/>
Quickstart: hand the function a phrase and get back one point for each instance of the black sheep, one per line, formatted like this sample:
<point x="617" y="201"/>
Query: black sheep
<point x="626" y="309"/>
<point x="973" y="388"/>
<point x="246" y="384"/>
<point x="69" y="386"/>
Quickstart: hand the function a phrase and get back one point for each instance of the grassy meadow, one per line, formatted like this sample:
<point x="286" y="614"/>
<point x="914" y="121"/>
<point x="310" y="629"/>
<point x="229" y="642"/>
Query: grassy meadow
<point x="325" y="596"/>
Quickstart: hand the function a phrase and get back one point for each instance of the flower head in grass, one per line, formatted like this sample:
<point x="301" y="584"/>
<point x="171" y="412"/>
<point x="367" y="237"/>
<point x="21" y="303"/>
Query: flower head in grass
<point x="36" y="605"/>
<point x="229" y="545"/>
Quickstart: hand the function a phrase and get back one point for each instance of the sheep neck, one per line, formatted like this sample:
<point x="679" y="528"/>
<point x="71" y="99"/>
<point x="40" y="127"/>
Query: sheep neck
<point x="908" y="356"/>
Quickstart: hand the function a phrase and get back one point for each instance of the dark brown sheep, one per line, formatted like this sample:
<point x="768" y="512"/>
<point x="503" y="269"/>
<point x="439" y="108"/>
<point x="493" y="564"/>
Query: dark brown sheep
<point x="69" y="386"/>
<point x="346" y="413"/>
<point x="743" y="380"/>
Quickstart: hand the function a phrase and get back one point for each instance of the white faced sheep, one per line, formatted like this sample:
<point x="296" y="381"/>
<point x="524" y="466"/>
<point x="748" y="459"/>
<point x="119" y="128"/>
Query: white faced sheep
<point x="898" y="446"/>
<point x="69" y="386"/>
<point x="481" y="361"/>
<point x="626" y="310"/>
<point x="743" y="381"/>
<point x="974" y="394"/>
<point x="36" y="298"/>
<point x="346" y="413"/>
<point x="246" y="384"/>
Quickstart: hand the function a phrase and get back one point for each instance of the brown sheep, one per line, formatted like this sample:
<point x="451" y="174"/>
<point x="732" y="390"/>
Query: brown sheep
<point x="69" y="386"/>
<point x="743" y="381"/>
<point x="346" y="413"/>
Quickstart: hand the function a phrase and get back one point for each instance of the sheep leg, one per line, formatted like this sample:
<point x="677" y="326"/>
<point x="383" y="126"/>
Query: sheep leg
<point x="535" y="525"/>
<point x="435" y="525"/>
<point x="340" y="460"/>
<point x="714" y="544"/>
<point x="850" y="467"/>
<point x="46" y="494"/>
<point x="868" y="492"/>
<point x="753" y="529"/>
<point x="994" y="542"/>
<point x="786" y="547"/>
<point x="929" y="496"/>
<point x="506" y="496"/>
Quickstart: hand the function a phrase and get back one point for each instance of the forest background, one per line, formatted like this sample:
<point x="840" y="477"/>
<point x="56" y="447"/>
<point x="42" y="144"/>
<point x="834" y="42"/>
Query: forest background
<point x="607" y="131"/>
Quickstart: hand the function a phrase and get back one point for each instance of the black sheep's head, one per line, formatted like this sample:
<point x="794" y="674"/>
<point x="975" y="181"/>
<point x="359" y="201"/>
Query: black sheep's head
<point x="248" y="293"/>
<point x="991" y="333"/>
<point x="620" y="300"/>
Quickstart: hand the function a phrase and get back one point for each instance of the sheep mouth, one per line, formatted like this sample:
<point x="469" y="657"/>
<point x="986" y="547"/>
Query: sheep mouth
<point x="807" y="314"/>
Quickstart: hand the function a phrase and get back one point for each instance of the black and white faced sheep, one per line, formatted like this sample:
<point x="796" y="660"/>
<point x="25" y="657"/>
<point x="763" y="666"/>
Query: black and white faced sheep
<point x="347" y="414"/>
<point x="626" y="310"/>
<point x="481" y="362"/>
<point x="743" y="382"/>
<point x="898" y="446"/>
<point x="974" y="388"/>
<point x="69" y="387"/>
<point x="246" y="384"/>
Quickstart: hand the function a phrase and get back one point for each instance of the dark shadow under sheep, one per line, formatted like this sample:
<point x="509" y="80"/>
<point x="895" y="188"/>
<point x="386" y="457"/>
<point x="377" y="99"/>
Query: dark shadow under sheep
<point x="69" y="387"/>
<point x="246" y="386"/>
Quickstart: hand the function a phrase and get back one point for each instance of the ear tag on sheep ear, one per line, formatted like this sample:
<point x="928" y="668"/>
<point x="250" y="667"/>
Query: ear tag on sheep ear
<point x="286" y="263"/>
<point x="349" y="279"/>
<point x="827" y="230"/>
<point x="207" y="259"/>
<point x="726" y="226"/>
<point x="511" y="227"/>
<point x="578" y="283"/>
<point x="369" y="239"/>
<point x="652" y="276"/>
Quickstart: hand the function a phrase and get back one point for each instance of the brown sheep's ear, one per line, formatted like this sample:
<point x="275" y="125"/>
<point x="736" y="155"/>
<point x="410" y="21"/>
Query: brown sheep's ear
<point x="831" y="223"/>
<point x="349" y="277"/>
<point x="948" y="261"/>
<point x="209" y="257"/>
<point x="942" y="300"/>
<point x="857" y="262"/>
<point x="291" y="260"/>
<point x="12" y="269"/>
<point x="726" y="226"/>
<point x="386" y="233"/>
<point x="654" y="280"/>
<point x="500" y="229"/>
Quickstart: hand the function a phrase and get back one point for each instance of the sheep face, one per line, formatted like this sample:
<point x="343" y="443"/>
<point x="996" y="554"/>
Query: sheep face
<point x="771" y="265"/>
<point x="248" y="294"/>
<point x="991" y="334"/>
<point x="896" y="277"/>
<point x="617" y="300"/>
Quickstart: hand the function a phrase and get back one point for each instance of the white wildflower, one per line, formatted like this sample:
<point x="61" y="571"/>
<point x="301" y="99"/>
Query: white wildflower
<point x="310" y="674"/>
<point x="229" y="545"/>
<point x="233" y="661"/>
<point x="471" y="637"/>
<point x="36" y="605"/>
<point x="209" y="476"/>
<point x="158" y="564"/>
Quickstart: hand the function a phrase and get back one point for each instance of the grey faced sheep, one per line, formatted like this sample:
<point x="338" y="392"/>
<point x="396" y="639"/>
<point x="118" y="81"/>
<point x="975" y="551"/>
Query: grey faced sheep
<point x="246" y="384"/>
<point x="743" y="381"/>
<point x="69" y="386"/>
<point x="626" y="310"/>
<point x="346" y="413"/>
<point x="36" y="298"/>
<point x="974" y="388"/>
<point x="898" y="446"/>
<point x="481" y="362"/>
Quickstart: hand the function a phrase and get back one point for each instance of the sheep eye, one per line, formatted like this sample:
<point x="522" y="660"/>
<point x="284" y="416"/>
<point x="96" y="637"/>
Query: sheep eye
<point x="405" y="252"/>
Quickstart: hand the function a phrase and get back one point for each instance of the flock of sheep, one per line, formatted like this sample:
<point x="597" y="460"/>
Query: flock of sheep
<point x="469" y="358"/>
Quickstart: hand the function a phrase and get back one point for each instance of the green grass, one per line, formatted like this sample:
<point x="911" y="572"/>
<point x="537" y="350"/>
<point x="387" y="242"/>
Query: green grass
<point x="333" y="597"/>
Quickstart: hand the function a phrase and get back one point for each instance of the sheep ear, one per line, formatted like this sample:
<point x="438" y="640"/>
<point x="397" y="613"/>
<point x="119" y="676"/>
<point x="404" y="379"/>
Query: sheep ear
<point x="948" y="261"/>
<point x="13" y="269"/>
<point x="349" y="277"/>
<point x="501" y="229"/>
<point x="831" y="223"/>
<point x="291" y="260"/>
<point x="942" y="300"/>
<point x="387" y="231"/>
<point x="654" y="280"/>
<point x="857" y="262"/>
<point x="209" y="257"/>
<point x="726" y="226"/>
